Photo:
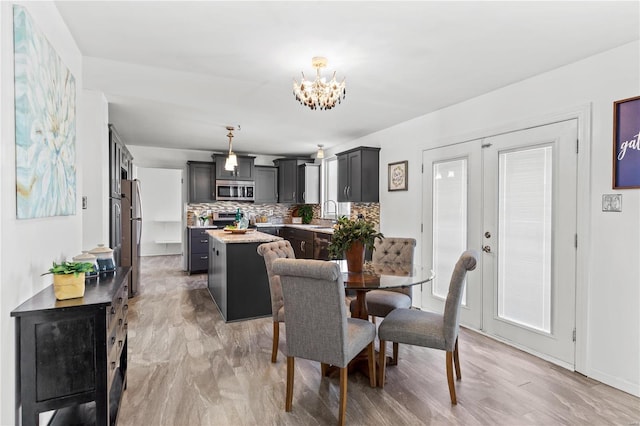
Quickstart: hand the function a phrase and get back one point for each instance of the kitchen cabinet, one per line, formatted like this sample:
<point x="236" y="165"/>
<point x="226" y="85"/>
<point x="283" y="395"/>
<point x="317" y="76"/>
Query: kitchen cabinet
<point x="237" y="280"/>
<point x="288" y="178"/>
<point x="271" y="230"/>
<point x="198" y="250"/>
<point x="72" y="354"/>
<point x="301" y="240"/>
<point x="358" y="175"/>
<point x="243" y="171"/>
<point x="201" y="182"/>
<point x="321" y="243"/>
<point x="120" y="163"/>
<point x="308" y="183"/>
<point x="266" y="184"/>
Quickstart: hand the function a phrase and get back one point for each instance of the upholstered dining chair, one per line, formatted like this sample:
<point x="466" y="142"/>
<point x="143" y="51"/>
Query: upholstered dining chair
<point x="430" y="329"/>
<point x="316" y="323"/>
<point x="270" y="252"/>
<point x="391" y="253"/>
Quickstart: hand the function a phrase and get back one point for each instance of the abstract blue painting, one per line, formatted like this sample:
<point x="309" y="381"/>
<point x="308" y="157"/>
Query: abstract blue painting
<point x="45" y="106"/>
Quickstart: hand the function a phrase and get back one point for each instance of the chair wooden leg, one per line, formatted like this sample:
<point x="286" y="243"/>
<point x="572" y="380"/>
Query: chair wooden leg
<point x="289" y="395"/>
<point x="452" y="388"/>
<point x="394" y="360"/>
<point x="372" y="364"/>
<point x="324" y="368"/>
<point x="343" y="396"/>
<point x="276" y="337"/>
<point x="456" y="360"/>
<point x="382" y="360"/>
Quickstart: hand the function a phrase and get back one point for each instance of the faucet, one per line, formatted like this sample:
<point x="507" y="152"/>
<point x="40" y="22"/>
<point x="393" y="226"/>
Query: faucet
<point x="335" y="209"/>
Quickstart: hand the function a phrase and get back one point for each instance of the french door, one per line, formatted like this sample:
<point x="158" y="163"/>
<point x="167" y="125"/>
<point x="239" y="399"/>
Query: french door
<point x="515" y="199"/>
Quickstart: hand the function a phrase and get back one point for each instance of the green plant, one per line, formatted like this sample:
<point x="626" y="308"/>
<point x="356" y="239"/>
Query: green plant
<point x="70" y="268"/>
<point x="305" y="211"/>
<point x="347" y="231"/>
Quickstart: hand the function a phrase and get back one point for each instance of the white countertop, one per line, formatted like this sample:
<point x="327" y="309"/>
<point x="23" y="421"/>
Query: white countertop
<point x="251" y="236"/>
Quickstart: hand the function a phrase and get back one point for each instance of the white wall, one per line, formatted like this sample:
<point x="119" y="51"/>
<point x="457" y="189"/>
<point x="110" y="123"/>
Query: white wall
<point x="160" y="190"/>
<point x="608" y="346"/>
<point x="28" y="247"/>
<point x="95" y="176"/>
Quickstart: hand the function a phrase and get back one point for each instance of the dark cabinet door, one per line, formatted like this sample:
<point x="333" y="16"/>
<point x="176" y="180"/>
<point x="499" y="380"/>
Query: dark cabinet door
<point x="266" y="188"/>
<point x="287" y="181"/>
<point x="358" y="175"/>
<point x="115" y="230"/>
<point x="243" y="171"/>
<point x="321" y="246"/>
<point x="201" y="182"/>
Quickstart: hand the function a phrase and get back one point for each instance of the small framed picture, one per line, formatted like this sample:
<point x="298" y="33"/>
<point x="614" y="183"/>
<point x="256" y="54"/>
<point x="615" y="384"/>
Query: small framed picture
<point x="626" y="143"/>
<point x="398" y="175"/>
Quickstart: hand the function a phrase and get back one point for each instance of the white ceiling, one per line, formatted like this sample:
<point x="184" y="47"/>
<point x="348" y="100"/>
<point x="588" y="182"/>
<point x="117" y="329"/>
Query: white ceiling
<point x="176" y="73"/>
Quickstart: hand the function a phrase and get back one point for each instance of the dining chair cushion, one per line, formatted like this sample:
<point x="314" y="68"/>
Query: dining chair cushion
<point x="413" y="327"/>
<point x="393" y="250"/>
<point x="381" y="302"/>
<point x="270" y="252"/>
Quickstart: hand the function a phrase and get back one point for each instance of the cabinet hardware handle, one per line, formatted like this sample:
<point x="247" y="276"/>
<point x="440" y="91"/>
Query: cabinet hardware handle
<point x="204" y="257"/>
<point x="204" y="241"/>
<point x="302" y="245"/>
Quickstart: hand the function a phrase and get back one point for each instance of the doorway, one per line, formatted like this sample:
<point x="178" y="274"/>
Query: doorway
<point x="513" y="196"/>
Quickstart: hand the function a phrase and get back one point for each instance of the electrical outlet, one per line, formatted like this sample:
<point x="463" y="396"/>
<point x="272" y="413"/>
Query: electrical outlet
<point x="270" y="212"/>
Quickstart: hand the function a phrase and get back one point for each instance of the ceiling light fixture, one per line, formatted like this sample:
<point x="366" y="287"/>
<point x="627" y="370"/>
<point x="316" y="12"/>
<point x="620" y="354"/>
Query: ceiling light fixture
<point x="320" y="153"/>
<point x="232" y="161"/>
<point x="319" y="94"/>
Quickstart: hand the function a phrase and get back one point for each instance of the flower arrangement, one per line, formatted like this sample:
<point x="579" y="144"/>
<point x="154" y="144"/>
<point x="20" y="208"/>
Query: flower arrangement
<point x="348" y="231"/>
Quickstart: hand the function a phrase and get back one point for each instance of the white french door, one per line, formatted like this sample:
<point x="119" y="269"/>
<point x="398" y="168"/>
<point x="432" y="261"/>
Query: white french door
<point x="515" y="199"/>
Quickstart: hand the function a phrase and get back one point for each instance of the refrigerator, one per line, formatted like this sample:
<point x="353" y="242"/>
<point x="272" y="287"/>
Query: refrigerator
<point x="131" y="226"/>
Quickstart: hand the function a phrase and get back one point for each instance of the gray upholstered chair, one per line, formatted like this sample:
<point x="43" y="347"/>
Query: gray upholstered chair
<point x="270" y="252"/>
<point x="395" y="255"/>
<point x="316" y="324"/>
<point x="429" y="329"/>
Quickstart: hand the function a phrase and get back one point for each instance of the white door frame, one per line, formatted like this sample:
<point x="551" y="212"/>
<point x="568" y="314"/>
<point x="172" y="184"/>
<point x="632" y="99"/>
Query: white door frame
<point x="583" y="200"/>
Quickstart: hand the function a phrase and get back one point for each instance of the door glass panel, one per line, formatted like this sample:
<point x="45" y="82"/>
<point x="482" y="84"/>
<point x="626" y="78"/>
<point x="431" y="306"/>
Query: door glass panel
<point x="525" y="219"/>
<point x="449" y="221"/>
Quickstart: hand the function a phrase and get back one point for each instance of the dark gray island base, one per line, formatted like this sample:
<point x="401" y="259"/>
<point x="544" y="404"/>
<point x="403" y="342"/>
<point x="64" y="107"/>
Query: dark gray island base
<point x="238" y="281"/>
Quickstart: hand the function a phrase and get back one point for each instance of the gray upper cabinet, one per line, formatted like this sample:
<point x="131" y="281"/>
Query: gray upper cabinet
<point x="288" y="179"/>
<point x="358" y="175"/>
<point x="308" y="185"/>
<point x="266" y="189"/>
<point x="244" y="170"/>
<point x="201" y="182"/>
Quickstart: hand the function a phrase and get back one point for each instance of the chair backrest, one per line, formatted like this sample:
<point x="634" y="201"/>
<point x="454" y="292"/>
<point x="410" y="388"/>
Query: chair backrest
<point x="270" y="252"/>
<point x="316" y="315"/>
<point x="466" y="262"/>
<point x="396" y="254"/>
<point x="393" y="250"/>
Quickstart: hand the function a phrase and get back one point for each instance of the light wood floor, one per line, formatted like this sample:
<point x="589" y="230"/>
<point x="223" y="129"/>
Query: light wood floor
<point x="187" y="367"/>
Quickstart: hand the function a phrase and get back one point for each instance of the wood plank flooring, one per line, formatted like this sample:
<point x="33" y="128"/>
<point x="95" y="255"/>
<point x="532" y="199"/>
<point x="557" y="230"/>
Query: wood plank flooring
<point x="187" y="367"/>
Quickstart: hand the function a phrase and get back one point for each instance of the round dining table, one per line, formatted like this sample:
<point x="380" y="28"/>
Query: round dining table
<point x="381" y="276"/>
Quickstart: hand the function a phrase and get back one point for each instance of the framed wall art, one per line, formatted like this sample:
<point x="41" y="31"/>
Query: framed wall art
<point x="398" y="176"/>
<point x="626" y="143"/>
<point x="45" y="108"/>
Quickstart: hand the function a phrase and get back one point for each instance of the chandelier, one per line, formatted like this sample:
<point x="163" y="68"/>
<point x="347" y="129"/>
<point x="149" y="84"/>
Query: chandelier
<point x="319" y="94"/>
<point x="232" y="161"/>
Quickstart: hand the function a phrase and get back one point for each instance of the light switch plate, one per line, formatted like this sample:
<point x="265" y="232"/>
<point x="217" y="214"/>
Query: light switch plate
<point x="84" y="202"/>
<point x="611" y="202"/>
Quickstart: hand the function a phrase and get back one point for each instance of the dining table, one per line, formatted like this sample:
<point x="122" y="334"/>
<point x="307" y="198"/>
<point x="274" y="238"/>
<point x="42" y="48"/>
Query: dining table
<point x="378" y="276"/>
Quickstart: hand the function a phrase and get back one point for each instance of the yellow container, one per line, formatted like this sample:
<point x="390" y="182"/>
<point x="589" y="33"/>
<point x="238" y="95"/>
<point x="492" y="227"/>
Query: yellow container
<point x="68" y="286"/>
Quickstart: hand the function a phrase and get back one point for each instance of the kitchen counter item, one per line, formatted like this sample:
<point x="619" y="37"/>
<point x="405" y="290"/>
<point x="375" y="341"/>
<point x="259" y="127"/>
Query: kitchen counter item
<point x="87" y="257"/>
<point x="249" y="237"/>
<point x="104" y="257"/>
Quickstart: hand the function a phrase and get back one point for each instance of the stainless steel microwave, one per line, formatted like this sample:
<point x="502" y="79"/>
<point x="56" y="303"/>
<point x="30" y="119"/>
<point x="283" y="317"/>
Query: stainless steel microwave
<point x="237" y="190"/>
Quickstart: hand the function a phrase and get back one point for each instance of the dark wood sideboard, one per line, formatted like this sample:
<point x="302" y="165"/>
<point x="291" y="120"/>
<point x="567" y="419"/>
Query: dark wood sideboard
<point x="72" y="354"/>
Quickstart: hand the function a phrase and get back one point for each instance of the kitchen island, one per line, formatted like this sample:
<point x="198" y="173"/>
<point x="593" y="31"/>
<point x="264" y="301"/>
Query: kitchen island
<point x="237" y="280"/>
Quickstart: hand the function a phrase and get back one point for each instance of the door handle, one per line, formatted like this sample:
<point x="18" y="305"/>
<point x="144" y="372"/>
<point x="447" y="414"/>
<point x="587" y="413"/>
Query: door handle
<point x="486" y="249"/>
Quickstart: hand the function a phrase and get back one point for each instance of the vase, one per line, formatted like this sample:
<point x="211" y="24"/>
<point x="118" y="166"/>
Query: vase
<point x="355" y="257"/>
<point x="68" y="286"/>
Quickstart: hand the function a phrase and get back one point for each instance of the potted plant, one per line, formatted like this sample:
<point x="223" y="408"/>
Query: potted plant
<point x="305" y="211"/>
<point x="68" y="278"/>
<point x="350" y="238"/>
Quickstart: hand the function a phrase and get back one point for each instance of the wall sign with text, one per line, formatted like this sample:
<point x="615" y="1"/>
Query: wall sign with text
<point x="626" y="143"/>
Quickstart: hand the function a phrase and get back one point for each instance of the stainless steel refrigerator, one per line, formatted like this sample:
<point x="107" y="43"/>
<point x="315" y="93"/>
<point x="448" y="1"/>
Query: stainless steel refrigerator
<point x="131" y="231"/>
